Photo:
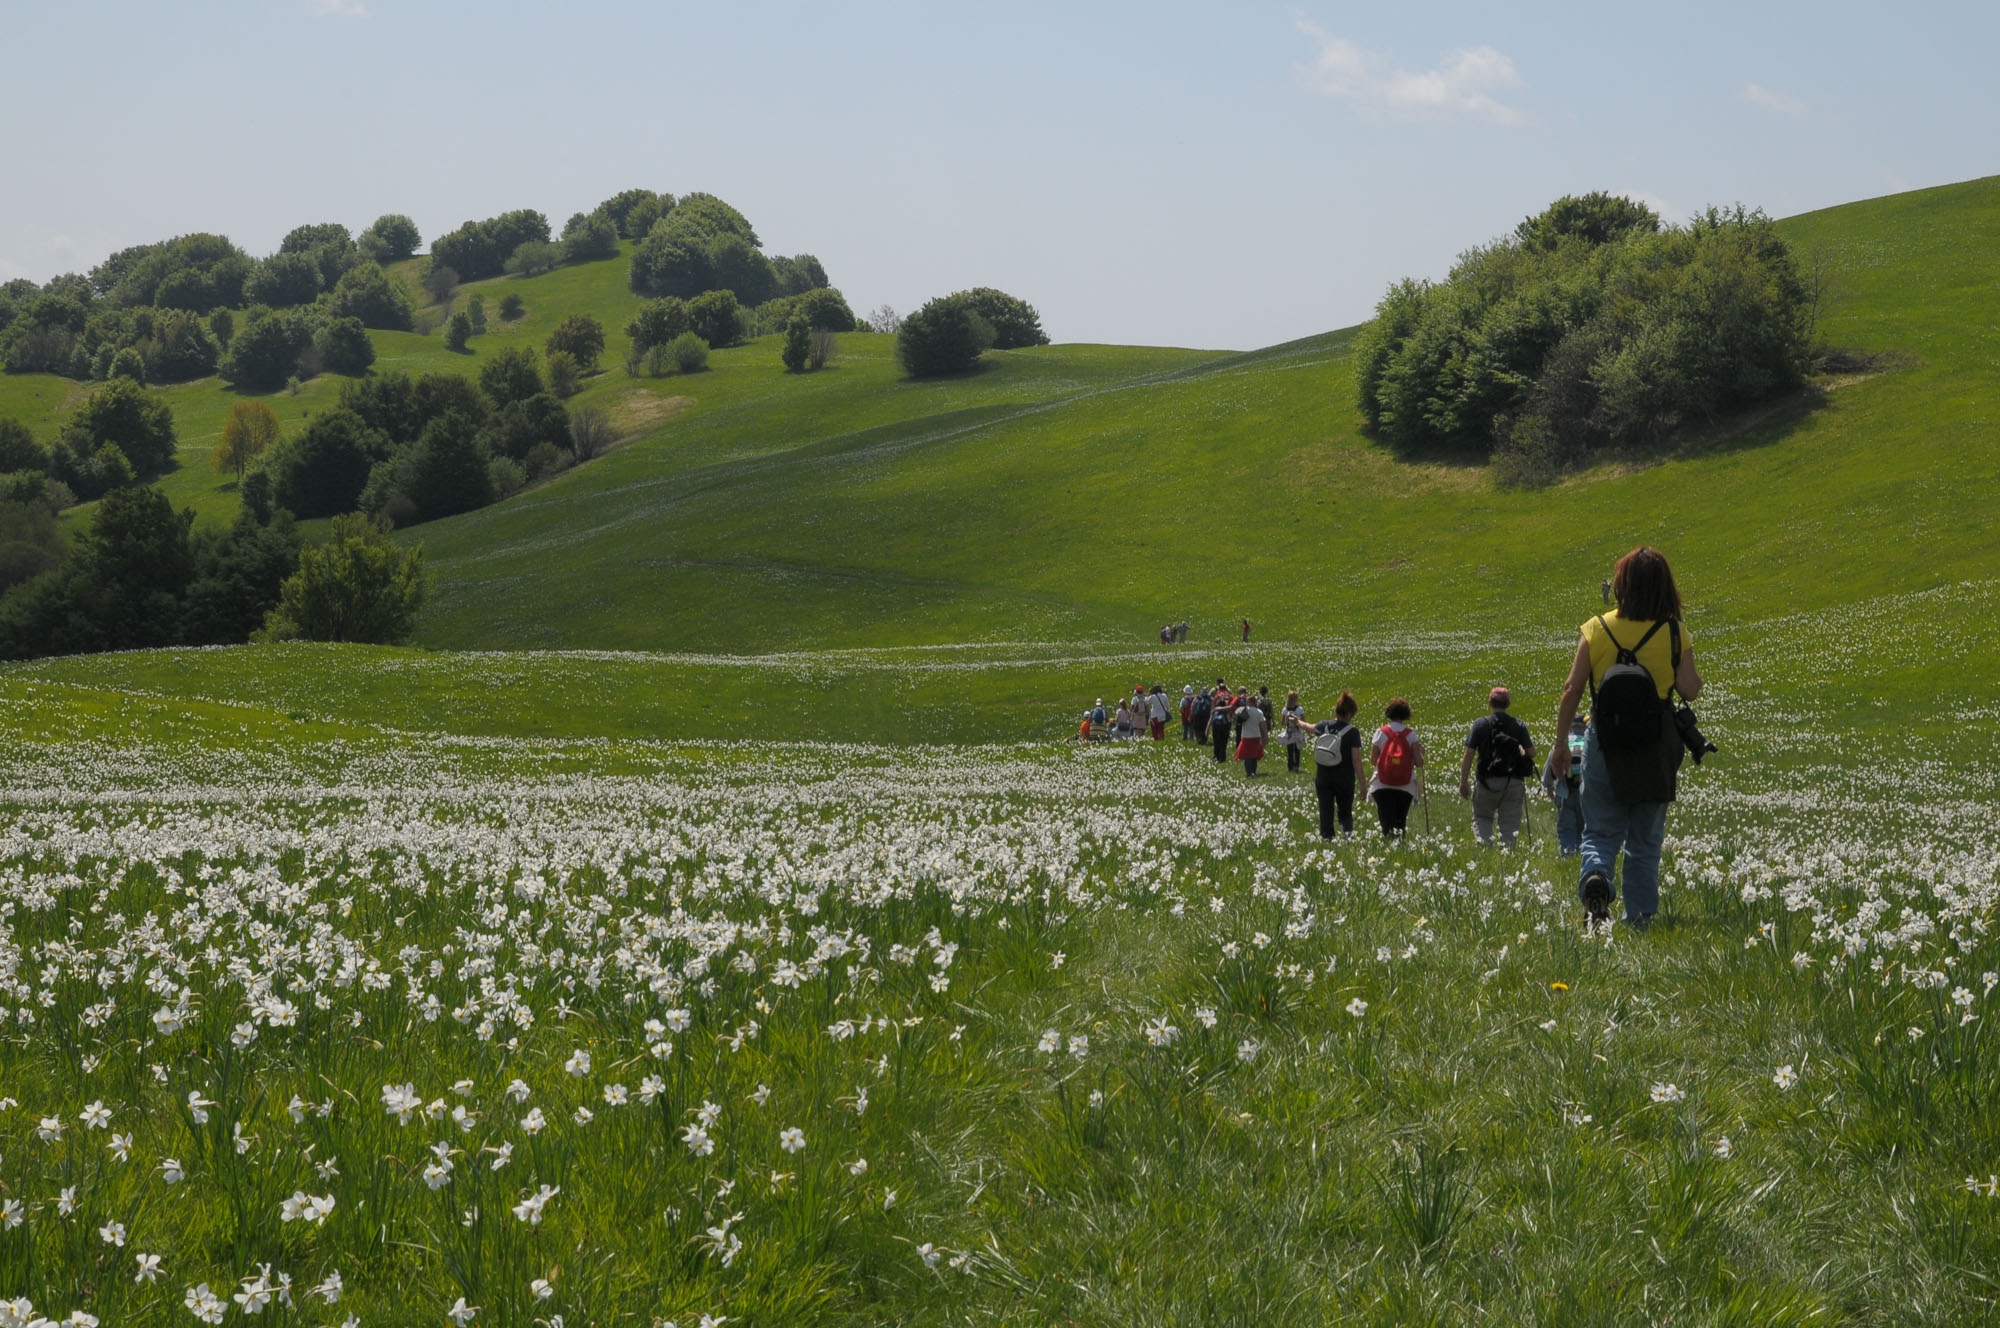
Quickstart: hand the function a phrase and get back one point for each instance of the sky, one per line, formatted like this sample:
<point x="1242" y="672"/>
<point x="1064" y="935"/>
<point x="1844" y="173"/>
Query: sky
<point x="1216" y="175"/>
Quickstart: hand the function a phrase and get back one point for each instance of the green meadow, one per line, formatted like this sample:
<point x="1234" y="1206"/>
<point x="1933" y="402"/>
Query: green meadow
<point x="711" y="918"/>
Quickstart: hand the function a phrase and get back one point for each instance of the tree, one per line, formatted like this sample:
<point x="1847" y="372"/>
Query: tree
<point x="127" y="363"/>
<point x="475" y="310"/>
<point x="582" y="336"/>
<point x="510" y="307"/>
<point x="478" y="249"/>
<point x="1015" y="322"/>
<point x="125" y="416"/>
<point x="589" y="236"/>
<point x="670" y="262"/>
<point x="320" y="471"/>
<point x="440" y="281"/>
<point x="824" y="346"/>
<point x="392" y="238"/>
<point x="448" y="471"/>
<point x="343" y="347"/>
<point x="120" y="589"/>
<point x="689" y="352"/>
<point x="826" y="309"/>
<point x="516" y="428"/>
<point x="657" y="323"/>
<point x="181" y="348"/>
<point x="266" y="351"/>
<point x="565" y="374"/>
<point x="799" y="274"/>
<point x="589" y="432"/>
<point x="30" y="543"/>
<point x="621" y="208"/>
<point x="365" y="292"/>
<point x="358" y="586"/>
<point x="285" y="281"/>
<point x="1596" y="218"/>
<point x="457" y="331"/>
<point x="885" y="319"/>
<point x="238" y="576"/>
<point x="249" y="431"/>
<point x="739" y="268"/>
<point x="510" y="376"/>
<point x="796" y="348"/>
<point x="946" y="336"/>
<point x="18" y="448"/>
<point x="716" y="317"/>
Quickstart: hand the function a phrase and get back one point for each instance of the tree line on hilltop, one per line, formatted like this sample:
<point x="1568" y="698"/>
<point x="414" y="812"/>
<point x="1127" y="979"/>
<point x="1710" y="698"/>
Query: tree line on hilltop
<point x="1591" y="327"/>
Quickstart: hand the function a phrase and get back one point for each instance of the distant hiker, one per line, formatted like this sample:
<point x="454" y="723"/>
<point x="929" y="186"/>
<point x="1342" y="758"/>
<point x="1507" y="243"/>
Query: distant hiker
<point x="1605" y="590"/>
<point x="1083" y="729"/>
<point x="1097" y="713"/>
<point x="1219" y="717"/>
<point x="1180" y="631"/>
<point x="1187" y="713"/>
<point x="1166" y="636"/>
<point x="1566" y="790"/>
<point x="1157" y="710"/>
<point x="1122" y="726"/>
<point x="1264" y="704"/>
<point x="1203" y="703"/>
<point x="1632" y="660"/>
<point x="1246" y="631"/>
<point x="1506" y="757"/>
<point x="1292" y="732"/>
<point x="1251" y="726"/>
<point x="1398" y="757"/>
<point x="1337" y="766"/>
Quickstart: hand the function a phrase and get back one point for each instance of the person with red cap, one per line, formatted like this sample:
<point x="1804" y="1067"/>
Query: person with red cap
<point x="1505" y="752"/>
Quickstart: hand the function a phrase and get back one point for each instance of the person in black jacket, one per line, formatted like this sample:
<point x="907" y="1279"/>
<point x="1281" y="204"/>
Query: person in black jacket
<point x="1505" y="754"/>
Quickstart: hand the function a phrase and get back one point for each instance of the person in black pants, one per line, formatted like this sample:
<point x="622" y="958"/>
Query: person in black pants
<point x="1398" y="757"/>
<point x="1337" y="766"/>
<point x="1218" y="723"/>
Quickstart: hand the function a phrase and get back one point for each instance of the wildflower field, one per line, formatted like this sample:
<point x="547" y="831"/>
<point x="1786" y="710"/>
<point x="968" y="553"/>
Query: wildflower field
<point x="312" y="1014"/>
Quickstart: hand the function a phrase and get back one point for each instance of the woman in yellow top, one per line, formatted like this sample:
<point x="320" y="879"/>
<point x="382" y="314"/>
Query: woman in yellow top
<point x="1625" y="795"/>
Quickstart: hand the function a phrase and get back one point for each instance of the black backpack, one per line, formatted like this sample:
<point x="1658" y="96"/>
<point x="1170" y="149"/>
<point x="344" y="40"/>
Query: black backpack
<point x="1201" y="708"/>
<point x="1625" y="708"/>
<point x="1504" y="751"/>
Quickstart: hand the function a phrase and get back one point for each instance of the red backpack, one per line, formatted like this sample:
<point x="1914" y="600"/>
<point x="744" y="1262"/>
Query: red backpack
<point x="1398" y="762"/>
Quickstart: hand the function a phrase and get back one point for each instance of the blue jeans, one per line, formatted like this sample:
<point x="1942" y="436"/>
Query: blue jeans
<point x="1639" y="828"/>
<point x="1569" y="824"/>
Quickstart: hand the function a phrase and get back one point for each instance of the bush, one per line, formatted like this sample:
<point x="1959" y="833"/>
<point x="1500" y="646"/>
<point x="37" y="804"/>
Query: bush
<point x="475" y="311"/>
<point x="510" y="307"/>
<point x="222" y="324"/>
<point x="479" y="249"/>
<point x="717" y="318"/>
<point x="440" y="281"/>
<point x="946" y="336"/>
<point x="457" y="331"/>
<point x="343" y="347"/>
<point x="266" y="352"/>
<point x="181" y="348"/>
<point x="321" y="470"/>
<point x="589" y="432"/>
<point x="582" y="336"/>
<point x="589" y="236"/>
<point x="515" y="429"/>
<point x="545" y="459"/>
<point x="1015" y="322"/>
<point x="128" y="364"/>
<point x="121" y="415"/>
<point x="505" y="478"/>
<point x="511" y="375"/>
<point x="1588" y="328"/>
<point x="689" y="352"/>
<point x="796" y="348"/>
<point x="660" y="358"/>
<point x="630" y="206"/>
<point x="565" y="374"/>
<point x="799" y="274"/>
<point x="449" y="471"/>
<point x="358" y="586"/>
<point x="534" y="257"/>
<point x="657" y="323"/>
<point x="391" y="239"/>
<point x="670" y="262"/>
<point x="824" y="347"/>
<point x="249" y="432"/>
<point x="285" y="281"/>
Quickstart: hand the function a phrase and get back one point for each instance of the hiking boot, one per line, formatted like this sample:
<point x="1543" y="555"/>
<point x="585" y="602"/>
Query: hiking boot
<point x="1597" y="897"/>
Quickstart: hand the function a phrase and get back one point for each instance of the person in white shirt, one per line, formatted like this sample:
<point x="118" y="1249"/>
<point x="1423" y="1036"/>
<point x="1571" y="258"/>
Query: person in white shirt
<point x="1250" y="726"/>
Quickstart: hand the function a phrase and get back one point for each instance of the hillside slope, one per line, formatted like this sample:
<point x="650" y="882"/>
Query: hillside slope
<point x="1085" y="492"/>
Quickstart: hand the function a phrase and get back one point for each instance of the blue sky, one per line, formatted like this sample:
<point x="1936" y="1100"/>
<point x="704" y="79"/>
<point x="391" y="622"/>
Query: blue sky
<point x="1196" y="174"/>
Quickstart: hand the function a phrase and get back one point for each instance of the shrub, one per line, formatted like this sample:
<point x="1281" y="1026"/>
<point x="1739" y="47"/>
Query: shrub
<point x="358" y="586"/>
<point x="545" y="459"/>
<point x="660" y="358"/>
<point x="946" y="336"/>
<point x="515" y="429"/>
<point x="266" y="352"/>
<point x="628" y="205"/>
<point x="689" y="352"/>
<point x="1015" y="322"/>
<point x="510" y="307"/>
<point x="1597" y="218"/>
<point x="534" y="257"/>
<point x="796" y="348"/>
<point x="589" y="432"/>
<point x="582" y="336"/>
<point x="343" y="347"/>
<point x="181" y="348"/>
<point x="457" y="331"/>
<point x="392" y="238"/>
<point x="18" y="448"/>
<point x="365" y="292"/>
<point x="440" y="281"/>
<point x="479" y="249"/>
<point x="657" y="323"/>
<point x="223" y="324"/>
<point x="475" y="311"/>
<point x="798" y="274"/>
<point x="505" y="478"/>
<point x="449" y="470"/>
<point x="670" y="262"/>
<point x="885" y="319"/>
<point x="128" y="364"/>
<point x="717" y="318"/>
<point x="247" y="434"/>
<point x="565" y="374"/>
<point x="825" y="346"/>
<point x="510" y="376"/>
<point x="285" y="281"/>
<point x="123" y="416"/>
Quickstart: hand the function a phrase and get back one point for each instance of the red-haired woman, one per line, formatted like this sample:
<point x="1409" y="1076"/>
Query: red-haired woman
<point x="1628" y="782"/>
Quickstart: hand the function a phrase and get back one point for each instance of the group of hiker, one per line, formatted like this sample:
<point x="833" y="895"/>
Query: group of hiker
<point x="1610" y="775"/>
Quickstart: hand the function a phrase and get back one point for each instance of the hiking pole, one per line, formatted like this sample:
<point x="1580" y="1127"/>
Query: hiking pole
<point x="1426" y="786"/>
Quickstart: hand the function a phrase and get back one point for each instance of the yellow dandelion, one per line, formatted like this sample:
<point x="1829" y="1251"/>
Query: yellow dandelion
<point x="1559" y="986"/>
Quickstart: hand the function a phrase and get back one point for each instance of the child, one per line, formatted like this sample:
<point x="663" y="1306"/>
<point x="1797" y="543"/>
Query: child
<point x="1566" y="792"/>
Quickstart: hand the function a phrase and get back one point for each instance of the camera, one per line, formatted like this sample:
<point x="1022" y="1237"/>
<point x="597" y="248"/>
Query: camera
<point x="1692" y="737"/>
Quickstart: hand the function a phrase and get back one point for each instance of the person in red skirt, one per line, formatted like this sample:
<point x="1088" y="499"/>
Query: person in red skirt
<point x="1250" y="726"/>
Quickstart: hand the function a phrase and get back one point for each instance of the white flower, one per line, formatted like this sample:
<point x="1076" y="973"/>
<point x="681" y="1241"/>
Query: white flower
<point x="534" y="1122"/>
<point x="710" y="1113"/>
<point x="95" y="1116"/>
<point x="529" y="1210"/>
<point x="1247" y="1049"/>
<point x="1079" y="1045"/>
<point x="518" y="1090"/>
<point x="1204" y="1016"/>
<point x="329" y="1290"/>
<point x="120" y="1146"/>
<point x="582" y="1116"/>
<point x="462" y="1313"/>
<point x="1057" y="959"/>
<point x="698" y="1141"/>
<point x="615" y="1095"/>
<point x="12" y="1214"/>
<point x="678" y="1020"/>
<point x="650" y="1089"/>
<point x="578" y="1063"/>
<point x="169" y="1020"/>
<point x="762" y="1095"/>
<point x="1160" y="1033"/>
<point x="112" y="1233"/>
<point x="1231" y="949"/>
<point x="1785" y="1077"/>
<point x="858" y="1167"/>
<point x="242" y="1035"/>
<point x="401" y="1101"/>
<point x="50" y="1130"/>
<point x="1096" y="1098"/>
<point x="930" y="1254"/>
<point x="204" y="1304"/>
<point x="171" y="1171"/>
<point x="541" y="1288"/>
<point x="792" y="1140"/>
<point x="1548" y="1025"/>
<point x="1051" y="1041"/>
<point x="149" y="1268"/>
<point x="438" y="1174"/>
<point x="66" y="1201"/>
<point x="502" y="1155"/>
<point x="303" y="1207"/>
<point x="1723" y="1148"/>
<point x="1668" y="1093"/>
<point x="1357" y="1007"/>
